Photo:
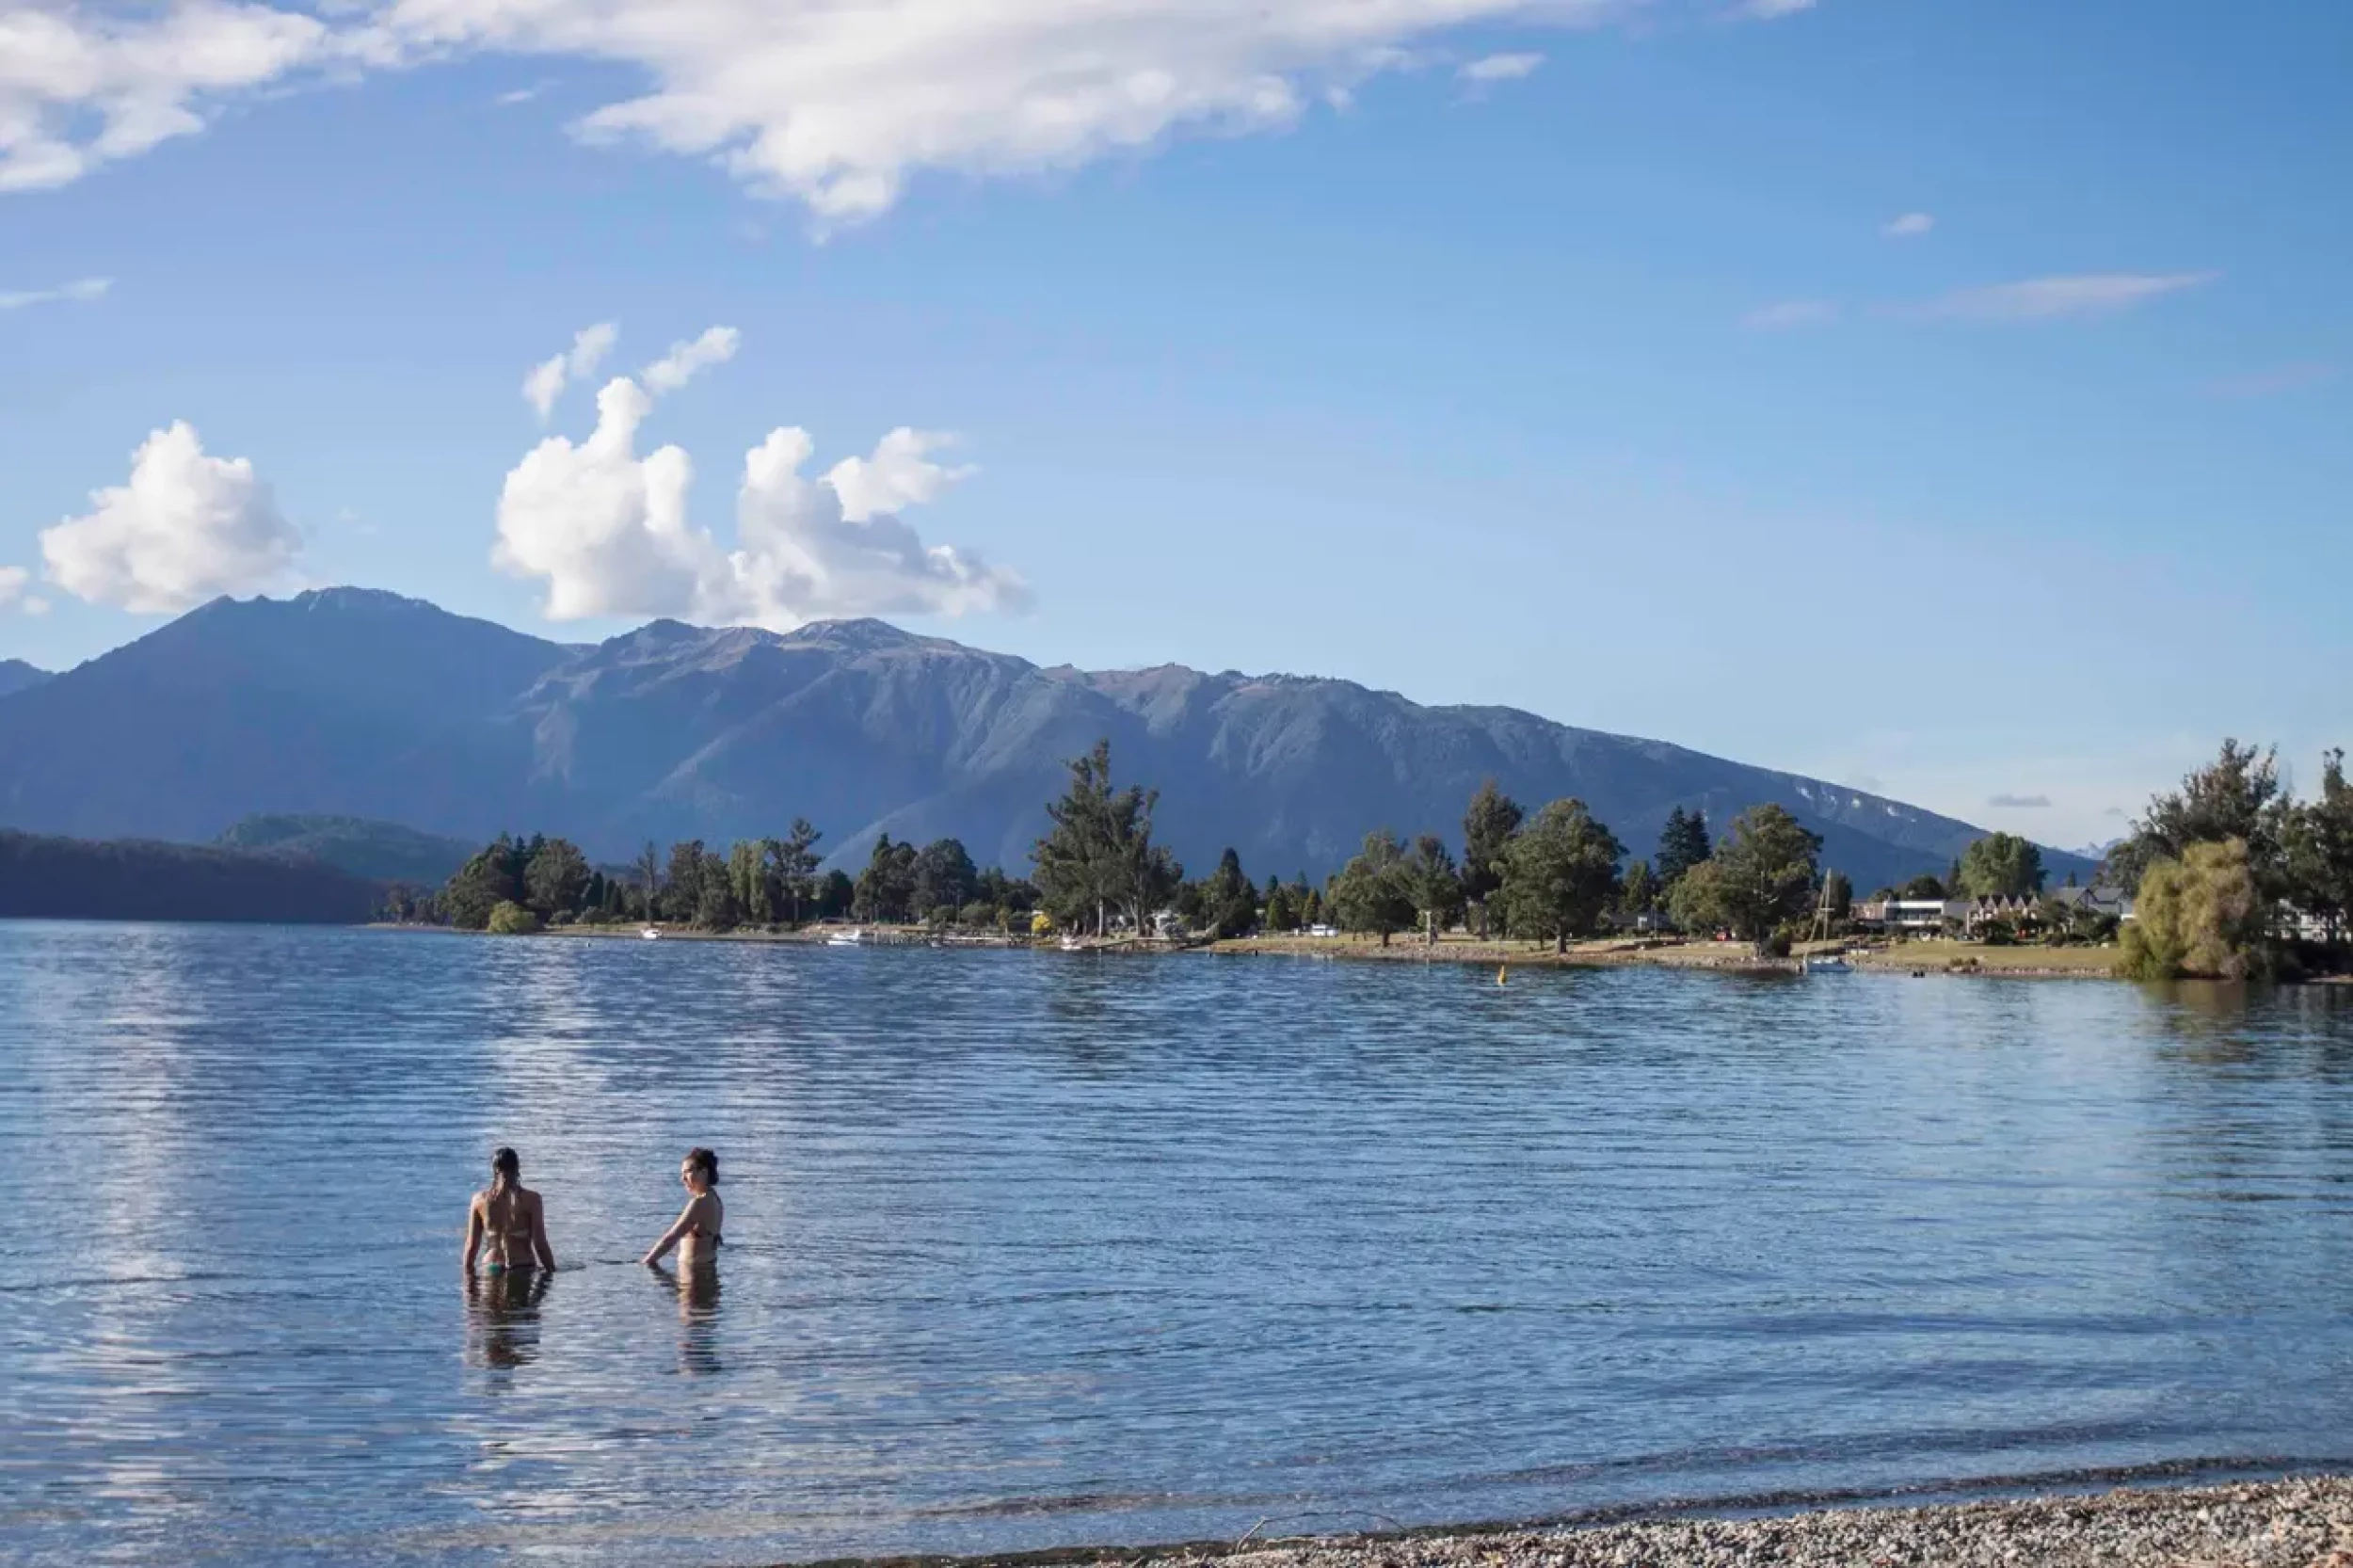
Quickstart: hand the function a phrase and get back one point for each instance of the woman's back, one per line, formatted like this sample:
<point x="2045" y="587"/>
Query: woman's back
<point x="510" y="1219"/>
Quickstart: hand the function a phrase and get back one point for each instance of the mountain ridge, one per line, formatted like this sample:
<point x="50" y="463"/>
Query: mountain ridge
<point x="351" y="702"/>
<point x="18" y="676"/>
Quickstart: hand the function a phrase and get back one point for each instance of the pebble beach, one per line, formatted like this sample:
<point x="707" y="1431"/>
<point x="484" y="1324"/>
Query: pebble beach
<point x="2304" y="1523"/>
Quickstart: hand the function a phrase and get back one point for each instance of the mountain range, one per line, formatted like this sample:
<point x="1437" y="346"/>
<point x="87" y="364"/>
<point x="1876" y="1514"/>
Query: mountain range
<point x="355" y="703"/>
<point x="16" y="674"/>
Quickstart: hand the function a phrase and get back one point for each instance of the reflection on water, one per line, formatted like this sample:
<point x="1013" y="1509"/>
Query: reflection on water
<point x="696" y="1288"/>
<point x="1025" y="1251"/>
<point x="503" y="1317"/>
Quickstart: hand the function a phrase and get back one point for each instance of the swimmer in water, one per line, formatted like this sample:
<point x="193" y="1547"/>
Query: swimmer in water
<point x="508" y="1218"/>
<point x="695" y="1235"/>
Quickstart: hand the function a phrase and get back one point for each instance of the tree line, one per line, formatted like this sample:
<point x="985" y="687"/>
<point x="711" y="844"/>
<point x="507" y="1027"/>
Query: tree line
<point x="523" y="884"/>
<point x="1551" y="876"/>
<point x="1554" y="876"/>
<point x="2235" y="878"/>
<point x="2215" y="865"/>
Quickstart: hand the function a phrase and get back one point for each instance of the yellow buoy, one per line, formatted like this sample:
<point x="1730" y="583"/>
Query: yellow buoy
<point x="1499" y="968"/>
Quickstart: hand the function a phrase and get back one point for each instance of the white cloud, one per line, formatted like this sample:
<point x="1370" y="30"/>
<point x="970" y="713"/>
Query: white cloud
<point x="1501" y="67"/>
<point x="13" y="581"/>
<point x="82" y="291"/>
<point x="2019" y="803"/>
<point x="832" y="103"/>
<point x="186" y="528"/>
<point x="1790" y="316"/>
<point x="607" y="529"/>
<point x="685" y="361"/>
<point x="2059" y="298"/>
<point x="548" y="379"/>
<point x="813" y="550"/>
<point x="1768" y="10"/>
<point x="609" y="534"/>
<point x="1910" y="227"/>
<point x="80" y="88"/>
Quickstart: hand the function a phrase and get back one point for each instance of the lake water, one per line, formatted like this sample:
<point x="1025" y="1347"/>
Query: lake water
<point x="1027" y="1250"/>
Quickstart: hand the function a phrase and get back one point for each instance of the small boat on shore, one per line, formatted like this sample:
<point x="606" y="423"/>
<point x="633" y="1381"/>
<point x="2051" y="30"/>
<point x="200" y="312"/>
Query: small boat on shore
<point x="846" y="939"/>
<point x="650" y="933"/>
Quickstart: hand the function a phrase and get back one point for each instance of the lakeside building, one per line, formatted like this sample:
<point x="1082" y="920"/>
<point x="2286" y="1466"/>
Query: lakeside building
<point x="1911" y="916"/>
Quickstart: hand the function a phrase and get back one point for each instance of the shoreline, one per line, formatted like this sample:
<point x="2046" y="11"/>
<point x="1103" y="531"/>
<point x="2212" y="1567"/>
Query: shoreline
<point x="2300" y="1521"/>
<point x="1930" y="960"/>
<point x="1922" y="960"/>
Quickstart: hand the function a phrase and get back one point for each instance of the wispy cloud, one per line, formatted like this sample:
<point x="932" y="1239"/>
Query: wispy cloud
<point x="2282" y="379"/>
<point x="2087" y="295"/>
<point x="2019" y="803"/>
<point x="1910" y="226"/>
<point x="688" y="360"/>
<point x="1790" y="315"/>
<point x="82" y="291"/>
<point x="1501" y="68"/>
<point x="1768" y="10"/>
<point x="521" y="95"/>
<point x="547" y="380"/>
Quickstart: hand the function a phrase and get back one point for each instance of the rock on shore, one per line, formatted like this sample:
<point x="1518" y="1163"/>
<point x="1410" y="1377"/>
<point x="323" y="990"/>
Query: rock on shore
<point x="2291" y="1524"/>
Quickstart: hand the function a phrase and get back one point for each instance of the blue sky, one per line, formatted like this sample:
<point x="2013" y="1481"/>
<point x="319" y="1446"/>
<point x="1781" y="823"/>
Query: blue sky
<point x="1556" y="355"/>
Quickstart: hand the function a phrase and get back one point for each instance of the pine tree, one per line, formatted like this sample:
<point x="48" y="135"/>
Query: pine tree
<point x="1488" y="825"/>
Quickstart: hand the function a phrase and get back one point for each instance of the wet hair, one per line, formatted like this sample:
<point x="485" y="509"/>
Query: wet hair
<point x="705" y="1161"/>
<point x="504" y="1165"/>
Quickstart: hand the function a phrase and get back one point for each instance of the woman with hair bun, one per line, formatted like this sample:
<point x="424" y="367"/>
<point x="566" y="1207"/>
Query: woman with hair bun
<point x="509" y="1220"/>
<point x="697" y="1233"/>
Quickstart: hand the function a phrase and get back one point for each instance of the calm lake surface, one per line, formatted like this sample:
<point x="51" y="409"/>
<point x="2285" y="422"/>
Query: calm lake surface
<point x="1027" y="1250"/>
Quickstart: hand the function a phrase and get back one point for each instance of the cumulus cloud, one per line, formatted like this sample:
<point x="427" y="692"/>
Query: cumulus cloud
<point x="2019" y="803"/>
<point x="1501" y="68"/>
<point x="186" y="528"/>
<point x="2091" y="294"/>
<point x="1909" y="227"/>
<point x="548" y="379"/>
<point x="13" y="581"/>
<point x="832" y="103"/>
<point x="609" y="534"/>
<point x="1790" y="316"/>
<point x="80" y="292"/>
<point x="685" y="361"/>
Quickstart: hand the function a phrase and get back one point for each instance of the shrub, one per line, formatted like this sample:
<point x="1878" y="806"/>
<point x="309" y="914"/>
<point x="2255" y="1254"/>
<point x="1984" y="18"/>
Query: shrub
<point x="2199" y="915"/>
<point x="510" y="919"/>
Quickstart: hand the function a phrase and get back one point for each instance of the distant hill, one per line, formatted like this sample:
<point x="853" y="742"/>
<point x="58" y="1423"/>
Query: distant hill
<point x="18" y="676"/>
<point x="69" y="879"/>
<point x="379" y="851"/>
<point x="350" y="703"/>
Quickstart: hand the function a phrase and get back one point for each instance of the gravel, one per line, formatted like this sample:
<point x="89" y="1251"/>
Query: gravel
<point x="2288" y="1524"/>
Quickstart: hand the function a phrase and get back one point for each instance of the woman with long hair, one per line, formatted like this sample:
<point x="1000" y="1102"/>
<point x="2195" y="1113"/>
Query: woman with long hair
<point x="695" y="1235"/>
<point x="508" y="1218"/>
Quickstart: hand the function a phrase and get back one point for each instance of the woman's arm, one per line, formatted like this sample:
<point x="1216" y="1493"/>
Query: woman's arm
<point x="539" y="1233"/>
<point x="473" y="1231"/>
<point x="675" y="1234"/>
